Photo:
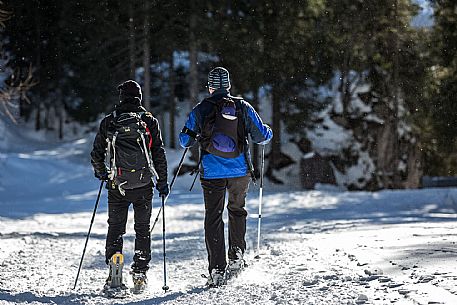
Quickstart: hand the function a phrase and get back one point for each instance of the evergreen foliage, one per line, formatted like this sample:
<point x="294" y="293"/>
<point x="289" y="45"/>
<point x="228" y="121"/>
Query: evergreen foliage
<point x="311" y="58"/>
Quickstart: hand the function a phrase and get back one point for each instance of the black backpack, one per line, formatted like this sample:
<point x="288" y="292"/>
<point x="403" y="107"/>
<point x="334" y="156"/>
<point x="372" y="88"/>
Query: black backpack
<point x="223" y="130"/>
<point x="129" y="149"/>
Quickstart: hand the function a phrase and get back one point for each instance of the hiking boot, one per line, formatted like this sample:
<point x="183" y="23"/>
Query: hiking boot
<point x="216" y="278"/>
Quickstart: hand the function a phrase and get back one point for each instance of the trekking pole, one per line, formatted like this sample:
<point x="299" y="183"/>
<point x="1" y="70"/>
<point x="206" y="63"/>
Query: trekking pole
<point x="262" y="166"/>
<point x="165" y="287"/>
<point x="88" y="233"/>
<point x="171" y="187"/>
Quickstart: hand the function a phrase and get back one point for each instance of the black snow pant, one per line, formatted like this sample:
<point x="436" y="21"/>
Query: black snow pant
<point x="118" y="207"/>
<point x="214" y="194"/>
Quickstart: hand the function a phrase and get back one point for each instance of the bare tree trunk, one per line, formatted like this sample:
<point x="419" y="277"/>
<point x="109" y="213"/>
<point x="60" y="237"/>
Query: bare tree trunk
<point x="23" y="110"/>
<point x="385" y="153"/>
<point x="161" y="118"/>
<point x="59" y="107"/>
<point x="172" y="84"/>
<point x="270" y="35"/>
<point x="275" y="153"/>
<point x="193" y="58"/>
<point x="193" y="75"/>
<point x="255" y="148"/>
<point x="38" y="65"/>
<point x="395" y="119"/>
<point x="131" y="41"/>
<point x="61" y="121"/>
<point x="38" y="117"/>
<point x="414" y="167"/>
<point x="388" y="146"/>
<point x="147" y="58"/>
<point x="345" y="86"/>
<point x="46" y="116"/>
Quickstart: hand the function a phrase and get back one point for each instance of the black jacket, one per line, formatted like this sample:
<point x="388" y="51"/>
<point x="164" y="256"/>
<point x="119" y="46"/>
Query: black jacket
<point x="157" y="150"/>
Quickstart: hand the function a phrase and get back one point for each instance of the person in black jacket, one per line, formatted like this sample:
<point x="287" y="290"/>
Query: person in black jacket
<point x="119" y="199"/>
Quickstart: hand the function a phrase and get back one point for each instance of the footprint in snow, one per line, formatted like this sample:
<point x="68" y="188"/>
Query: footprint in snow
<point x="425" y="278"/>
<point x="310" y="282"/>
<point x="394" y="285"/>
<point x="330" y="277"/>
<point x="374" y="271"/>
<point x="384" y="279"/>
<point x="275" y="252"/>
<point x="361" y="299"/>
<point x="404" y="291"/>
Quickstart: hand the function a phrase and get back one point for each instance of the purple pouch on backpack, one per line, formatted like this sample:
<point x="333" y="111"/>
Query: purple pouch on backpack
<point x="223" y="143"/>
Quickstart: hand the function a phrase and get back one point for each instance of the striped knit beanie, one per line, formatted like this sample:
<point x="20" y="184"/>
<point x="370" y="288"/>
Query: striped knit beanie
<point x="219" y="78"/>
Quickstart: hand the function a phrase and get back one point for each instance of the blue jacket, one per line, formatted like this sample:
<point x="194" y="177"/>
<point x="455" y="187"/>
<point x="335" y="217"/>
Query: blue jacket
<point x="215" y="167"/>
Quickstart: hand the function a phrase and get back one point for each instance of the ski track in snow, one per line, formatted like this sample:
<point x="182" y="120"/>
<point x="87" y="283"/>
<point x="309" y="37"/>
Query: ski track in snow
<point x="318" y="247"/>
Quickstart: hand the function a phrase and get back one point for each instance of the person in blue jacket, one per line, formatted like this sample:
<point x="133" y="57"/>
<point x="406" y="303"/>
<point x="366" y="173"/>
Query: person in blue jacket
<point x="221" y="124"/>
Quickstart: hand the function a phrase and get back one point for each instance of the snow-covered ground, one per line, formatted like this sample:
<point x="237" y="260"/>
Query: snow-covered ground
<point x="318" y="247"/>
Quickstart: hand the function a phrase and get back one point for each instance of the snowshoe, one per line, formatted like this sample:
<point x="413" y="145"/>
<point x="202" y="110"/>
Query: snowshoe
<point x="139" y="282"/>
<point x="114" y="288"/>
<point x="115" y="292"/>
<point x="235" y="265"/>
<point x="216" y="278"/>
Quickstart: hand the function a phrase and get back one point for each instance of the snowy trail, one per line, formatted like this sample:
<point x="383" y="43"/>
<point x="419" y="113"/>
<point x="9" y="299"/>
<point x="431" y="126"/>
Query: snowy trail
<point x="318" y="247"/>
<point x="326" y="257"/>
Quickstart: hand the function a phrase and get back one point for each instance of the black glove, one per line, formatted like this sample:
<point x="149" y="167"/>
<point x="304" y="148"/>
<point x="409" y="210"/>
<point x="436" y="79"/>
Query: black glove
<point x="162" y="187"/>
<point x="102" y="176"/>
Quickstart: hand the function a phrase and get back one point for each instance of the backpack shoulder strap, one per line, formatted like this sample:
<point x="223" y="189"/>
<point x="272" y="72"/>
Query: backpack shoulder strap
<point x="241" y="113"/>
<point x="109" y="124"/>
<point x="244" y="135"/>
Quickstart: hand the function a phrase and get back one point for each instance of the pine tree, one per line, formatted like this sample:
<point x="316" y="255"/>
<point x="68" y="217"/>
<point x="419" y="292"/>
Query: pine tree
<point x="377" y="47"/>
<point x="438" y="112"/>
<point x="271" y="45"/>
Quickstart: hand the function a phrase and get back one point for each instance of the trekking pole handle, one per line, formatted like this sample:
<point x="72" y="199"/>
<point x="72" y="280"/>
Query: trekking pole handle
<point x="262" y="166"/>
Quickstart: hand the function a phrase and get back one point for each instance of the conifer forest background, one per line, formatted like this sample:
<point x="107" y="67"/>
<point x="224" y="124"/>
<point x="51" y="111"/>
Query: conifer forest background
<point x="359" y="93"/>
